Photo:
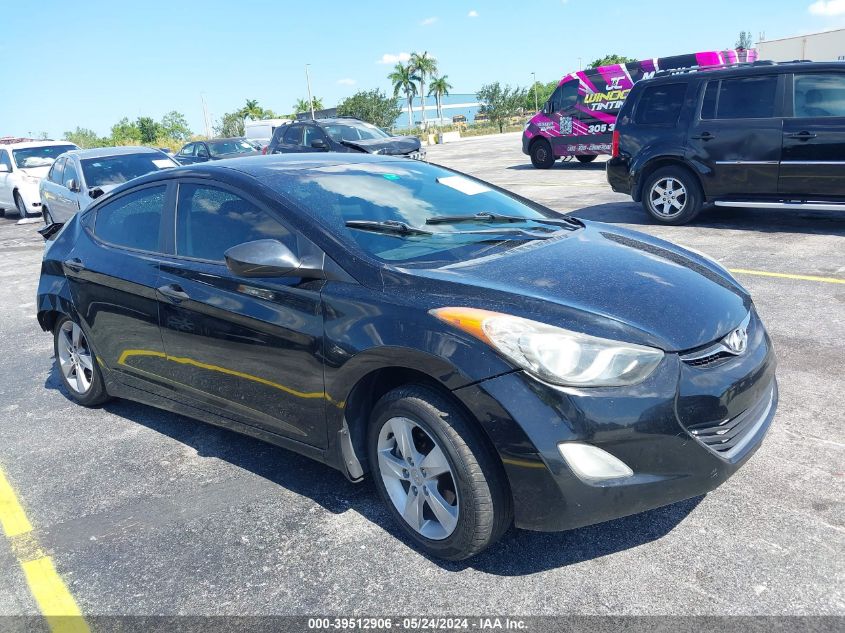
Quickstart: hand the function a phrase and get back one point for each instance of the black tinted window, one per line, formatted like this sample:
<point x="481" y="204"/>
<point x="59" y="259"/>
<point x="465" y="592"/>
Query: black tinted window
<point x="56" y="171"/>
<point x="747" y="98"/>
<point x="660" y="105"/>
<point x="293" y="135"/>
<point x="133" y="220"/>
<point x="564" y="96"/>
<point x="188" y="150"/>
<point x="209" y="221"/>
<point x="201" y="150"/>
<point x="70" y="172"/>
<point x="708" y="104"/>
<point x="312" y="133"/>
<point x="820" y="95"/>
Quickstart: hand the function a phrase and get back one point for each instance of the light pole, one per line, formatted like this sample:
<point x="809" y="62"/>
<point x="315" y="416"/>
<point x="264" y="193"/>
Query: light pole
<point x="536" y="104"/>
<point x="310" y="100"/>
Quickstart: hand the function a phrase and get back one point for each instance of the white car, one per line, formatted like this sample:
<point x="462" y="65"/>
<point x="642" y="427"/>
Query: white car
<point x="22" y="166"/>
<point x="78" y="177"/>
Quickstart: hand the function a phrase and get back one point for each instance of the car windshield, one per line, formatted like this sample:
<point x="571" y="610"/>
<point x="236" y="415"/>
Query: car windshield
<point x="386" y="208"/>
<point x="232" y="146"/>
<point x="354" y="131"/>
<point x="39" y="156"/>
<point x="114" y="170"/>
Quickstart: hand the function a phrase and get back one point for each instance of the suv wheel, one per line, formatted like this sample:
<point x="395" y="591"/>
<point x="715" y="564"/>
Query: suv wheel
<point x="542" y="156"/>
<point x="20" y="204"/>
<point x="77" y="364"/>
<point x="671" y="195"/>
<point x="584" y="158"/>
<point x="440" y="482"/>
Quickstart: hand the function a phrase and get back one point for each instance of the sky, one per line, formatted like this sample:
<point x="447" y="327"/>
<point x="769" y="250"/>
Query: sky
<point x="90" y="63"/>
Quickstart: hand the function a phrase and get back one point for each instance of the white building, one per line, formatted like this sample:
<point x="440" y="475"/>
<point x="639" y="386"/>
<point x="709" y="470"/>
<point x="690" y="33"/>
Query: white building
<point x="818" y="47"/>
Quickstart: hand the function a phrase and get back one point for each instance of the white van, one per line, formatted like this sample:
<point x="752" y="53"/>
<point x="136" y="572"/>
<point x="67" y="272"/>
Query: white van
<point x="263" y="130"/>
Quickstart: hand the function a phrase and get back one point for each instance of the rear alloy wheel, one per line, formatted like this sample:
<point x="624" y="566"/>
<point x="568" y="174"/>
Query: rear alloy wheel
<point x="21" y="205"/>
<point x="586" y="158"/>
<point x="672" y="196"/>
<point x="436" y="476"/>
<point x="542" y="156"/>
<point x="77" y="364"/>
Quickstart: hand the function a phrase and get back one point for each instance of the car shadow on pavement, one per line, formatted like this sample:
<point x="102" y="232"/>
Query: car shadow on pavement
<point x="763" y="220"/>
<point x="562" y="165"/>
<point x="519" y="552"/>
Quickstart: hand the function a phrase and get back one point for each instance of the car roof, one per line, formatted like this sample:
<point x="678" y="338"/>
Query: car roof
<point x="103" y="152"/>
<point x="743" y="70"/>
<point x="24" y="144"/>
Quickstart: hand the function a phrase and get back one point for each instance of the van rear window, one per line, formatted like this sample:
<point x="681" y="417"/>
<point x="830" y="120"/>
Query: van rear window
<point x="660" y="105"/>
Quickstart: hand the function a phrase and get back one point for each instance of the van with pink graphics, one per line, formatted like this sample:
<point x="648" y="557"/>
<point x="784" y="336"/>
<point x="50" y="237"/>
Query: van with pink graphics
<point x="579" y="118"/>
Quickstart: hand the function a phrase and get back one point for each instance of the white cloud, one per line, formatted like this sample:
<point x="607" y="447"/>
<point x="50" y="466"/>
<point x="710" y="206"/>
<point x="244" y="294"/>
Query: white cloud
<point x="828" y="7"/>
<point x="390" y="58"/>
<point x="346" y="81"/>
<point x="428" y="21"/>
<point x="472" y="14"/>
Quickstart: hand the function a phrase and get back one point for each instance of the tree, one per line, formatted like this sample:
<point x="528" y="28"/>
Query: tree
<point x="255" y="112"/>
<point x="423" y="65"/>
<point x="174" y="126"/>
<point x="85" y="138"/>
<point x="439" y="88"/>
<point x="232" y="124"/>
<point x="744" y="41"/>
<point x="148" y="130"/>
<point x="403" y="79"/>
<point x="500" y="103"/>
<point x="125" y="132"/>
<point x="544" y="91"/>
<point x="373" y="106"/>
<point x="607" y="60"/>
<point x="301" y="105"/>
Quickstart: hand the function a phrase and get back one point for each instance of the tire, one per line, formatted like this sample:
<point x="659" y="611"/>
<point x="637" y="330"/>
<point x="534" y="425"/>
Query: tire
<point x="469" y="489"/>
<point x="541" y="153"/>
<point x="21" y="205"/>
<point x="82" y="380"/>
<point x="2" y="213"/>
<point x="586" y="158"/>
<point x="672" y="195"/>
<point x="45" y="213"/>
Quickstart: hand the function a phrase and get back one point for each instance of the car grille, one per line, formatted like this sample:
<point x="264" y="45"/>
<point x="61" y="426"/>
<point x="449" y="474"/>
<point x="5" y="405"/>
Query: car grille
<point x="703" y="361"/>
<point x="730" y="436"/>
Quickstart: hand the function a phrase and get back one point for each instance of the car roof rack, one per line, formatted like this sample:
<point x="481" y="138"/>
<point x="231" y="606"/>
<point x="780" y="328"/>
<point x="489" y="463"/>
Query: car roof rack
<point x="694" y="69"/>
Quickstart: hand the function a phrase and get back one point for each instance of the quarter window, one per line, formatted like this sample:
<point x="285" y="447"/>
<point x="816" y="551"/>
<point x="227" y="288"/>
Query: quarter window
<point x="661" y="105"/>
<point x="742" y="98"/>
<point x="820" y="95"/>
<point x="133" y="220"/>
<point x="209" y="221"/>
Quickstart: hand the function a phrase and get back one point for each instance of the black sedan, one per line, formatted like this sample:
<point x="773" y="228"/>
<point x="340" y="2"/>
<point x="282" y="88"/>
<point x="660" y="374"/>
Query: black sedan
<point x="486" y="360"/>
<point x="215" y="149"/>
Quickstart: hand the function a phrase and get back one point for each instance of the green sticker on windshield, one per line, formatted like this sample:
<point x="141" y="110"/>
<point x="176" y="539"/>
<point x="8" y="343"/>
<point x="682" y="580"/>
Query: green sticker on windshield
<point x="391" y="176"/>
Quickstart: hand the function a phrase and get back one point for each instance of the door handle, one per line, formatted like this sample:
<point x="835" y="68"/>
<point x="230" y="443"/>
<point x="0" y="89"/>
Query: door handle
<point x="174" y="292"/>
<point x="802" y="136"/>
<point x="704" y="136"/>
<point x="74" y="264"/>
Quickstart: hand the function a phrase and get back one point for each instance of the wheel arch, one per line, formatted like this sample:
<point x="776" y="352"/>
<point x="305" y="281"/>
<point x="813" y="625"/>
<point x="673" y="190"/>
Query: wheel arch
<point x="649" y="166"/>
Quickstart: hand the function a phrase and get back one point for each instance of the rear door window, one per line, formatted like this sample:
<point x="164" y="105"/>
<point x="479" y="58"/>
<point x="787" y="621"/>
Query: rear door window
<point x="56" y="172"/>
<point x="188" y="150"/>
<point x="819" y="95"/>
<point x="132" y="220"/>
<point x="660" y="105"/>
<point x="293" y="135"/>
<point x="740" y="98"/>
<point x="70" y="173"/>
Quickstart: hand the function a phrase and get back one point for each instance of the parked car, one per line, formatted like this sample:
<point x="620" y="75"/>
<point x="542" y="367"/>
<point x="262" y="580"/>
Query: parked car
<point x="262" y="130"/>
<point x="579" y="117"/>
<point x="484" y="358"/>
<point x="79" y="176"/>
<point x="22" y="166"/>
<point x="342" y="134"/>
<point x="760" y="135"/>
<point x="215" y="149"/>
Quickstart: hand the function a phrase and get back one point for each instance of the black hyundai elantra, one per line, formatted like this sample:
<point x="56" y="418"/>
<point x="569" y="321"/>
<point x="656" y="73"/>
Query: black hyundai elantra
<point x="487" y="360"/>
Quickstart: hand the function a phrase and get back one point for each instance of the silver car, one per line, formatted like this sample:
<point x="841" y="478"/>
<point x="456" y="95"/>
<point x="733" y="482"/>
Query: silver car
<point x="79" y="176"/>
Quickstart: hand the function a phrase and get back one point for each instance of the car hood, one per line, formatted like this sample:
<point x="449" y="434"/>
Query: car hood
<point x="394" y="145"/>
<point x="603" y="281"/>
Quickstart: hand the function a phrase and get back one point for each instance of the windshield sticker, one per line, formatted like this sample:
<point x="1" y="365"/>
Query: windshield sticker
<point x="163" y="163"/>
<point x="391" y="176"/>
<point x="464" y="185"/>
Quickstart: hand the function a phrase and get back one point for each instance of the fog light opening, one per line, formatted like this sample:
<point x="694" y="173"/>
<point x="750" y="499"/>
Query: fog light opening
<point x="592" y="464"/>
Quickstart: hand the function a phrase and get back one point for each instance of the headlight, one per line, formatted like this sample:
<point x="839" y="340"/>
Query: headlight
<point x="556" y="355"/>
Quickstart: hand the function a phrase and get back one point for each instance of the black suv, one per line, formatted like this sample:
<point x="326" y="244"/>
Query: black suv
<point x="747" y="135"/>
<point x="342" y="134"/>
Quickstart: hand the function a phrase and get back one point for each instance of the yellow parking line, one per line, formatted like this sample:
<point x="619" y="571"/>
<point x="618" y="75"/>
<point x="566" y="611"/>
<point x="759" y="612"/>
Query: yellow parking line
<point x="763" y="273"/>
<point x="50" y="593"/>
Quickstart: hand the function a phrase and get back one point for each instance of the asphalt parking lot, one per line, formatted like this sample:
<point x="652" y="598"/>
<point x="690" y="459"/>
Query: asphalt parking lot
<point x="145" y="512"/>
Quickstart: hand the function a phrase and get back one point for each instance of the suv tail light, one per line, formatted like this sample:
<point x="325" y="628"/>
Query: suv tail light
<point x="264" y="149"/>
<point x="614" y="144"/>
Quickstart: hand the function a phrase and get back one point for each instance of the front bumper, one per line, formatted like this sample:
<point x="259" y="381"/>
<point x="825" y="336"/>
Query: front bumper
<point x="647" y="426"/>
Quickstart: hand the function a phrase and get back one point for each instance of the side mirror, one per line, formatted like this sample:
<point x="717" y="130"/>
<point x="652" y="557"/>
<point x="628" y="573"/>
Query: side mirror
<point x="319" y="143"/>
<point x="262" y="258"/>
<point x="72" y="184"/>
<point x="5" y="169"/>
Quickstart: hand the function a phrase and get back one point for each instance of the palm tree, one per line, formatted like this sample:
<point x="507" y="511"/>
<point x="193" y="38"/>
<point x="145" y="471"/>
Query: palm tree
<point x="403" y="79"/>
<point x="252" y="110"/>
<point x="423" y="65"/>
<point x="301" y="105"/>
<point x="439" y="88"/>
